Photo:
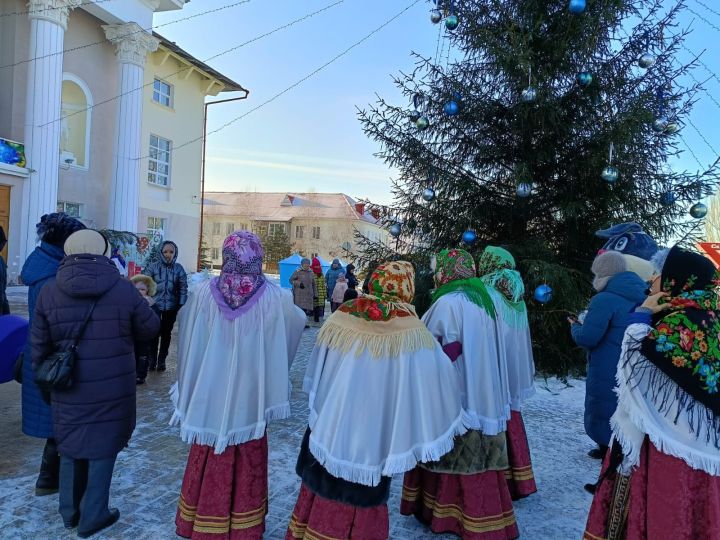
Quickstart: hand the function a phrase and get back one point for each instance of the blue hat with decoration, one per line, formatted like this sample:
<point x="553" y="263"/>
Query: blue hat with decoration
<point x="628" y="239"/>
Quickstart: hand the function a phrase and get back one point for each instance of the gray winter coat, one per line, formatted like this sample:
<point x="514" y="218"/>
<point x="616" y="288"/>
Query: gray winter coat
<point x="304" y="288"/>
<point x="95" y="418"/>
<point x="171" y="281"/>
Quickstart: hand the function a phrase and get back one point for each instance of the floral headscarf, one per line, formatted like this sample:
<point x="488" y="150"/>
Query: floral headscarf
<point x="496" y="268"/>
<point x="455" y="271"/>
<point x="391" y="289"/>
<point x="241" y="281"/>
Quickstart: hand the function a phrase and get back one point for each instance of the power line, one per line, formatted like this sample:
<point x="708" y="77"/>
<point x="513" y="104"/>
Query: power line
<point x="31" y="11"/>
<point x="703" y="19"/>
<point x="708" y="7"/>
<point x="692" y="153"/>
<point x="140" y="31"/>
<point x="257" y="38"/>
<point x="296" y="83"/>
<point x="702" y="136"/>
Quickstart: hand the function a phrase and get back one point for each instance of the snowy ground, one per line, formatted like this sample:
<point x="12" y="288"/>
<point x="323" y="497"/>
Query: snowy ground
<point x="148" y="475"/>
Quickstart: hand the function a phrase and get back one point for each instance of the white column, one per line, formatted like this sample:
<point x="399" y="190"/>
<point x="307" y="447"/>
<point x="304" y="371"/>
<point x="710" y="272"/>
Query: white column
<point x="48" y="22"/>
<point x="133" y="45"/>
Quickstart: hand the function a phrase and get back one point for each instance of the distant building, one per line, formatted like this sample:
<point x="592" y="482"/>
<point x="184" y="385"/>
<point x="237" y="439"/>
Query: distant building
<point x="321" y="224"/>
<point x="92" y="107"/>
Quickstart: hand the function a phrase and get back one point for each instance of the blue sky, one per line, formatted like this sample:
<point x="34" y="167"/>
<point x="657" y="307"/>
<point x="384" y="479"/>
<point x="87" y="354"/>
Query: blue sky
<point x="310" y="138"/>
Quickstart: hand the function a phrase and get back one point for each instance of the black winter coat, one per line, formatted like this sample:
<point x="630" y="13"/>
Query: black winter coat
<point x="171" y="281"/>
<point x="95" y="418"/>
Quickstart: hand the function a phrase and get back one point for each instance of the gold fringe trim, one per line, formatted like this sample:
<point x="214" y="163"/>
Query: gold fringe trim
<point x="520" y="474"/>
<point x="496" y="522"/>
<point x="221" y="525"/>
<point x="386" y="339"/>
<point x="590" y="536"/>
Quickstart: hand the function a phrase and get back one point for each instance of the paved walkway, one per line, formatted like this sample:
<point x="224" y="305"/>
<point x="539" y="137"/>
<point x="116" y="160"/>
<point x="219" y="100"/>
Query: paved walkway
<point x="148" y="474"/>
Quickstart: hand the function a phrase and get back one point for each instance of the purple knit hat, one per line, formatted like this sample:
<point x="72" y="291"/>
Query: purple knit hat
<point x="241" y="281"/>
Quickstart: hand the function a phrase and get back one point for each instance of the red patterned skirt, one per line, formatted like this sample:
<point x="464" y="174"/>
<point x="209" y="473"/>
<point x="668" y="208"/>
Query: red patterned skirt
<point x="473" y="506"/>
<point x="317" y="518"/>
<point x="224" y="496"/>
<point x="520" y="476"/>
<point x="662" y="498"/>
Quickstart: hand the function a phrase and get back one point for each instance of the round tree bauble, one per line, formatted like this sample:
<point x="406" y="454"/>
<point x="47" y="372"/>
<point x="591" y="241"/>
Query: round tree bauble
<point x="646" y="60"/>
<point x="610" y="174"/>
<point x="469" y="237"/>
<point x="672" y="127"/>
<point x="543" y="293"/>
<point x="395" y="229"/>
<point x="698" y="210"/>
<point x="451" y="108"/>
<point x="435" y="16"/>
<point x="667" y="198"/>
<point x="523" y="190"/>
<point x="452" y="22"/>
<point x="422" y="123"/>
<point x="576" y="6"/>
<point x="428" y="194"/>
<point x="584" y="78"/>
<point x="529" y="94"/>
<point x="659" y="125"/>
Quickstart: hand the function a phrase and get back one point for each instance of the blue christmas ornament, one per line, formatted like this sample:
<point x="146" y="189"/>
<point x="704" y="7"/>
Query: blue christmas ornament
<point x="610" y="174"/>
<point x="451" y="108"/>
<point x="543" y="293"/>
<point x="422" y="123"/>
<point x="523" y="190"/>
<point x="667" y="198"/>
<point x="395" y="230"/>
<point x="452" y="22"/>
<point x="584" y="78"/>
<point x="469" y="237"/>
<point x="698" y="210"/>
<point x="576" y="6"/>
<point x="428" y="194"/>
<point x="528" y="95"/>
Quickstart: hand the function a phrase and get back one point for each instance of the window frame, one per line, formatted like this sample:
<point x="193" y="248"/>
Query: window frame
<point x="157" y="162"/>
<point x="89" y="104"/>
<point x="152" y="231"/>
<point x="229" y="229"/>
<point x="299" y="231"/>
<point x="216" y="228"/>
<point x="272" y="229"/>
<point x="214" y="253"/>
<point x="170" y="93"/>
<point x="316" y="232"/>
<point x="62" y="207"/>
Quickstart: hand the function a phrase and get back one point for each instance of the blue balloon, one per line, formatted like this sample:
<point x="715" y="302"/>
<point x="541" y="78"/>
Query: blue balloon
<point x="469" y="237"/>
<point x="543" y="293"/>
<point x="451" y="108"/>
<point x="576" y="6"/>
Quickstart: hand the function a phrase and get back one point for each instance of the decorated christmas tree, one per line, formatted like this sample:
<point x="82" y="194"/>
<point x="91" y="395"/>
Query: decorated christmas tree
<point x="536" y="124"/>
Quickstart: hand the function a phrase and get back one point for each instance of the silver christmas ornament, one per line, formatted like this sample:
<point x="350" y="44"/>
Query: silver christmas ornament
<point x="610" y="174"/>
<point x="422" y="123"/>
<point x="528" y="95"/>
<point x="660" y="125"/>
<point x="672" y="127"/>
<point x="646" y="60"/>
<point x="435" y="16"/>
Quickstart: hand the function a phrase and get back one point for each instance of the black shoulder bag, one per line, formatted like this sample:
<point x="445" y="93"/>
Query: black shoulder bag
<point x="55" y="372"/>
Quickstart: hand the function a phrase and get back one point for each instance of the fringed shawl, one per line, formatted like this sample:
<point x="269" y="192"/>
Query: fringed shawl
<point x="496" y="267"/>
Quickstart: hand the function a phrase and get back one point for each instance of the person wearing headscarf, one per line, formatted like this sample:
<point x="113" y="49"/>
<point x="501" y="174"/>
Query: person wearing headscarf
<point x="238" y="336"/>
<point x="352" y="279"/>
<point x="171" y="295"/>
<point x="471" y="478"/>
<point x="304" y="287"/>
<point x="321" y="292"/>
<point x="332" y="274"/>
<point x="40" y="268"/>
<point x="4" y="305"/>
<point x="662" y="477"/>
<point x="497" y="269"/>
<point x="383" y="397"/>
<point x="93" y="420"/>
<point x="601" y="334"/>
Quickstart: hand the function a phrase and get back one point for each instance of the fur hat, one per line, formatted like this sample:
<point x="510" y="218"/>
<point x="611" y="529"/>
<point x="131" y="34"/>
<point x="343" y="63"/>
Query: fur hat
<point x="605" y="266"/>
<point x="148" y="281"/>
<point x="639" y="266"/>
<point x="87" y="241"/>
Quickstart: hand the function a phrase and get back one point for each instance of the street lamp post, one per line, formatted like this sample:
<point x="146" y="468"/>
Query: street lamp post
<point x="202" y="171"/>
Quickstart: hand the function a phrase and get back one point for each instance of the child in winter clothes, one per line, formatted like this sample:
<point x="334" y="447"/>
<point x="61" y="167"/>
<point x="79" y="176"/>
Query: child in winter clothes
<point x="320" y="290"/>
<point x="341" y="285"/>
<point x="147" y="289"/>
<point x="171" y="295"/>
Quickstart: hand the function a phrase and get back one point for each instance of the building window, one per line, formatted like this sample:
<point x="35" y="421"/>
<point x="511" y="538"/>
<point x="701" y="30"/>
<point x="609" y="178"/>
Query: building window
<point x="299" y="231"/>
<point x="276" y="229"/>
<point x="156" y="226"/>
<point x="159" y="161"/>
<point x="162" y="93"/>
<point x="216" y="228"/>
<point x="215" y="253"/>
<point x="229" y="228"/>
<point x="76" y="104"/>
<point x="316" y="233"/>
<point x="71" y="209"/>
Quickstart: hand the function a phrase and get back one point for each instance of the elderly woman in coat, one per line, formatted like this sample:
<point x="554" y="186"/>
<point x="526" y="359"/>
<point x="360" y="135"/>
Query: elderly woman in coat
<point x="39" y="269"/>
<point x="93" y="419"/>
<point x="601" y="333"/>
<point x="304" y="288"/>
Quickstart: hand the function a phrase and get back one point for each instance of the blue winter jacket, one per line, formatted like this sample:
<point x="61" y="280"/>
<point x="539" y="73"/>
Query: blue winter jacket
<point x="601" y="334"/>
<point x="331" y="276"/>
<point x="39" y="268"/>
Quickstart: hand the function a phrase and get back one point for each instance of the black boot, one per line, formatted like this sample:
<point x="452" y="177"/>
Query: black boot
<point x="161" y="363"/>
<point x="599" y="452"/>
<point x="152" y="362"/>
<point x="49" y="478"/>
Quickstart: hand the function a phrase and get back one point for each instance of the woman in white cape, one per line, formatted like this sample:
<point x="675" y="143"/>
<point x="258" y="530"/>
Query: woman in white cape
<point x="383" y="397"/>
<point x="238" y="337"/>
